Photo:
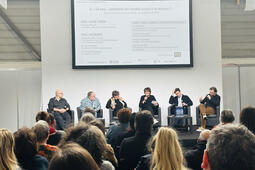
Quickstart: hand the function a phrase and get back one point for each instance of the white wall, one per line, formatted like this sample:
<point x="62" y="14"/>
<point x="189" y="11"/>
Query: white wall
<point x="20" y="98"/>
<point x="57" y="72"/>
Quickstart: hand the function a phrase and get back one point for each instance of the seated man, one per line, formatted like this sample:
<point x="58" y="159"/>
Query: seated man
<point x="208" y="106"/>
<point x="59" y="107"/>
<point x="91" y="102"/>
<point x="42" y="132"/>
<point x="179" y="102"/>
<point x="230" y="147"/>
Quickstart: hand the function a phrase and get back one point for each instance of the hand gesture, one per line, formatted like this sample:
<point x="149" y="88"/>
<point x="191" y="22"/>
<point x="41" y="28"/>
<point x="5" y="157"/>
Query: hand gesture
<point x="201" y="98"/>
<point x="209" y="97"/>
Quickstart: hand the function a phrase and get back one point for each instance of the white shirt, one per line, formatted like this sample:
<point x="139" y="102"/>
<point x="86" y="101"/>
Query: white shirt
<point x="180" y="101"/>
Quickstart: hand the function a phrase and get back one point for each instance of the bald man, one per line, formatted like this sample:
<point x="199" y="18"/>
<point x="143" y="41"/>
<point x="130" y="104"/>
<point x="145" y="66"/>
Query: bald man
<point x="59" y="107"/>
<point x="194" y="157"/>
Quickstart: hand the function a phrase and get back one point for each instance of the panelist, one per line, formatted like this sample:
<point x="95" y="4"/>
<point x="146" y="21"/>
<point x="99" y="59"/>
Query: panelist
<point x="59" y="107"/>
<point x="116" y="103"/>
<point x="149" y="102"/>
<point x="91" y="102"/>
<point x="179" y="102"/>
<point x="208" y="105"/>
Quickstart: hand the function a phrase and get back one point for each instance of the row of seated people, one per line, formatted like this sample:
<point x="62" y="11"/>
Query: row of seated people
<point x="180" y="102"/>
<point x="228" y="146"/>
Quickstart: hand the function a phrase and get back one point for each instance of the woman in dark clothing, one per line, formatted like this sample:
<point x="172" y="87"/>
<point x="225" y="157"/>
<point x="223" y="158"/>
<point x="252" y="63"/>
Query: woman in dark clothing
<point x="116" y="103"/>
<point x="148" y="102"/>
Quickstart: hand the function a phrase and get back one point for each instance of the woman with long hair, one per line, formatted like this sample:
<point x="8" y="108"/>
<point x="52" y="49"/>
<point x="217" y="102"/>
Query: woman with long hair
<point x="167" y="154"/>
<point x="8" y="160"/>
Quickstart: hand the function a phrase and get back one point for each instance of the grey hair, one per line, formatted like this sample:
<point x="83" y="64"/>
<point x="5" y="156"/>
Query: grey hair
<point x="41" y="130"/>
<point x="87" y="117"/>
<point x="231" y="147"/>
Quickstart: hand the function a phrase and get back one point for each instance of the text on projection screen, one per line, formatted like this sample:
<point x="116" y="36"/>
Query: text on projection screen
<point x="131" y="32"/>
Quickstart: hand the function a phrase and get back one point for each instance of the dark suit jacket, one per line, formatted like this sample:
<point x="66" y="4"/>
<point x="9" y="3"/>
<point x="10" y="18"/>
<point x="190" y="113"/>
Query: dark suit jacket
<point x="214" y="102"/>
<point x="194" y="156"/>
<point x="118" y="106"/>
<point x="132" y="149"/>
<point x="174" y="101"/>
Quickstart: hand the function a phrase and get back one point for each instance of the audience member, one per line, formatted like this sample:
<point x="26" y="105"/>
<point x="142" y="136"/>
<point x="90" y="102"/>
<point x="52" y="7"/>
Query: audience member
<point x="7" y="157"/>
<point x="91" y="138"/>
<point x="115" y="130"/>
<point x="26" y="151"/>
<point x="145" y="161"/>
<point x="247" y="118"/>
<point x="133" y="148"/>
<point x="72" y="156"/>
<point x="194" y="157"/>
<point x="167" y="154"/>
<point x="230" y="147"/>
<point x="87" y="117"/>
<point x="226" y="117"/>
<point x="42" y="132"/>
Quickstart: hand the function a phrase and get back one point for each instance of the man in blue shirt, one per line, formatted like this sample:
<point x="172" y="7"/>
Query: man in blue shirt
<point x="91" y="102"/>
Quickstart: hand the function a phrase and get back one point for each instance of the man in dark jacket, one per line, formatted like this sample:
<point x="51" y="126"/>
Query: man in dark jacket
<point x="133" y="148"/>
<point x="180" y="104"/>
<point x="208" y="105"/>
<point x="178" y="99"/>
<point x="194" y="157"/>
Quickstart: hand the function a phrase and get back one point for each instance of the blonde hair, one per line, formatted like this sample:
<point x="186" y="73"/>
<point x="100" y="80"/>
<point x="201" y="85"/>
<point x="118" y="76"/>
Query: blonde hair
<point x="8" y="160"/>
<point x="167" y="153"/>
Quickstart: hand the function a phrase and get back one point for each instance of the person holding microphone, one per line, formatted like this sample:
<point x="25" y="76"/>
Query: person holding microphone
<point x="149" y="102"/>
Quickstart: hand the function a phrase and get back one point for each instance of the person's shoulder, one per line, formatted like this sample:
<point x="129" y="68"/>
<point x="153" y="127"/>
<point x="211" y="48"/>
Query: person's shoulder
<point x="52" y="99"/>
<point x="106" y="165"/>
<point x="40" y="159"/>
<point x="129" y="140"/>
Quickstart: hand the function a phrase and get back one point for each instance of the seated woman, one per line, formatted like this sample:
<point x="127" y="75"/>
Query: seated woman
<point x="167" y="152"/>
<point x="72" y="156"/>
<point x="116" y="103"/>
<point x="26" y="151"/>
<point x="7" y="157"/>
<point x="148" y="102"/>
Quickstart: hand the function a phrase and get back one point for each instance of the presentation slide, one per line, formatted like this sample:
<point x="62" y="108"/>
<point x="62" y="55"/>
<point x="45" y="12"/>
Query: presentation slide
<point x="134" y="33"/>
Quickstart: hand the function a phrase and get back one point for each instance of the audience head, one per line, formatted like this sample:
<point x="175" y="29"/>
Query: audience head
<point x="59" y="94"/>
<point x="52" y="121"/>
<point x="42" y="115"/>
<point x="92" y="111"/>
<point x="115" y="94"/>
<point x="227" y="116"/>
<point x="230" y="147"/>
<point x="72" y="156"/>
<point x="91" y="95"/>
<point x="25" y="144"/>
<point x="213" y="91"/>
<point x="90" y="138"/>
<point x="132" y="121"/>
<point x="147" y="91"/>
<point x="7" y="156"/>
<point x="42" y="131"/>
<point x="87" y="117"/>
<point x="124" y="115"/>
<point x="177" y="92"/>
<point x="204" y="135"/>
<point x="167" y="153"/>
<point x="143" y="122"/>
<point x="99" y="124"/>
<point x="247" y="118"/>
